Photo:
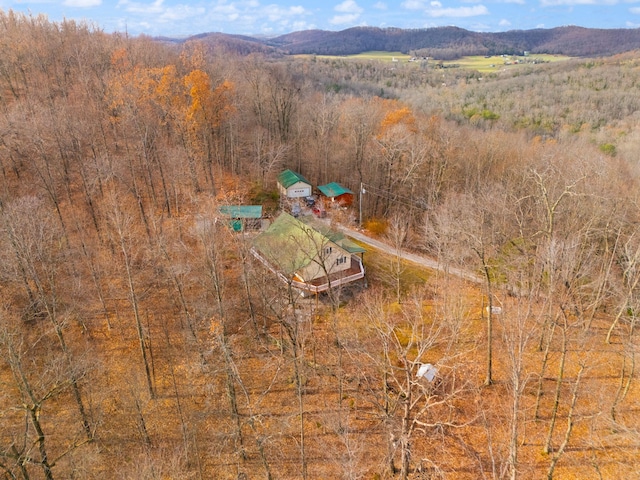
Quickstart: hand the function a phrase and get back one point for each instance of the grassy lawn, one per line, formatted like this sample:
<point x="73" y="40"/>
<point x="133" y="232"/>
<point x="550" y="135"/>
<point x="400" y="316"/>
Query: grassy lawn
<point x="381" y="269"/>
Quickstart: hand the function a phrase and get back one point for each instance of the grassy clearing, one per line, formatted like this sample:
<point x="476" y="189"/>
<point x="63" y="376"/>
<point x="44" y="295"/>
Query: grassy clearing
<point x="381" y="269"/>
<point x="373" y="55"/>
<point x="383" y="56"/>
<point x="494" y="63"/>
<point x="497" y="63"/>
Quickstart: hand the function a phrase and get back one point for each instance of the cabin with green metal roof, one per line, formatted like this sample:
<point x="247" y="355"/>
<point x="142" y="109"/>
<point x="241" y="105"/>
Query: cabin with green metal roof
<point x="293" y="185"/>
<point x="310" y="256"/>
<point x="336" y="193"/>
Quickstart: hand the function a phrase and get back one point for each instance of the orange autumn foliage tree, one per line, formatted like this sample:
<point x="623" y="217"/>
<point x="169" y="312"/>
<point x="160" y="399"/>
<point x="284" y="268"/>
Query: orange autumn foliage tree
<point x="141" y="88"/>
<point x="400" y="117"/>
<point x="205" y="115"/>
<point x="166" y="92"/>
<point x="189" y="107"/>
<point x="154" y="92"/>
<point x="396" y="138"/>
<point x="208" y="107"/>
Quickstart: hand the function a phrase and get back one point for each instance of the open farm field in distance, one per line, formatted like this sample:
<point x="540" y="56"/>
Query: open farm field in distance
<point x="383" y="56"/>
<point x="373" y="55"/>
<point x="497" y="63"/>
<point x="493" y="63"/>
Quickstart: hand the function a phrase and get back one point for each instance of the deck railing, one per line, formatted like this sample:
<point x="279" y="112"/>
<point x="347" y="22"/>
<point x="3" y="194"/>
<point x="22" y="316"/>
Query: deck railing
<point x="318" y="285"/>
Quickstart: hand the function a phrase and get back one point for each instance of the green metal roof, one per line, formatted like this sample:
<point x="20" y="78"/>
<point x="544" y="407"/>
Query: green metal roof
<point x="350" y="246"/>
<point x="336" y="237"/>
<point x="290" y="244"/>
<point x="288" y="178"/>
<point x="333" y="189"/>
<point x="241" y="211"/>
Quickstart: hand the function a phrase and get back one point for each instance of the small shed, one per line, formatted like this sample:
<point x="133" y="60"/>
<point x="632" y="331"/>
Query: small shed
<point x="427" y="371"/>
<point x="293" y="185"/>
<point x="336" y="193"/>
<point x="242" y="217"/>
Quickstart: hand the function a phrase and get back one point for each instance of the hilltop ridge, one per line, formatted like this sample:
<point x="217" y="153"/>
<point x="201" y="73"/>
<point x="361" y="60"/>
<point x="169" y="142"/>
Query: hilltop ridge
<point x="440" y="42"/>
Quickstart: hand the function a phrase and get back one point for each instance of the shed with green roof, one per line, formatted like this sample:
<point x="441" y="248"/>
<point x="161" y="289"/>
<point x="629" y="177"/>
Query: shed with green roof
<point x="336" y="193"/>
<point x="242" y="217"/>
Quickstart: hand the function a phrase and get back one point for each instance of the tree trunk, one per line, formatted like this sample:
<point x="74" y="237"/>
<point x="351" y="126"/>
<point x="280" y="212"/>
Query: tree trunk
<point x="567" y="433"/>
<point x="556" y="401"/>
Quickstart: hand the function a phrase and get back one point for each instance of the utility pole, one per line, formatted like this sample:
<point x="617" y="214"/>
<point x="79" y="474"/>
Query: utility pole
<point x="360" y="192"/>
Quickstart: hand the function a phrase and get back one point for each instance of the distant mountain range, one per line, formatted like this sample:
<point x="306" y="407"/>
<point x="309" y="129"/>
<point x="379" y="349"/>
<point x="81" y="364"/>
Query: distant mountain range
<point x="441" y="42"/>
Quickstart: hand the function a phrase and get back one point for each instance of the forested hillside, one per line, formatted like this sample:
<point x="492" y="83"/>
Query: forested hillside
<point x="139" y="339"/>
<point x="442" y="43"/>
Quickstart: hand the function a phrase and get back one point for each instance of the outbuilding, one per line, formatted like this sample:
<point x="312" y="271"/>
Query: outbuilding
<point x="337" y="194"/>
<point x="242" y="217"/>
<point x="293" y="185"/>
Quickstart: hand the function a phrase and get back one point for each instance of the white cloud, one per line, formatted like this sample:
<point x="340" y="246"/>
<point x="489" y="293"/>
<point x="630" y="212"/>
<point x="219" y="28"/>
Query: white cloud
<point x="344" y="19"/>
<point x="276" y="13"/>
<point x="348" y="6"/>
<point x="413" y="4"/>
<point x="458" y="12"/>
<point x="145" y="8"/>
<point x="380" y="6"/>
<point x="504" y="23"/>
<point x="569" y="3"/>
<point x="82" y="3"/>
<point x="158" y="12"/>
<point x="298" y="26"/>
<point x="269" y="19"/>
<point x="243" y="16"/>
<point x="225" y="10"/>
<point x="180" y="12"/>
<point x="635" y="10"/>
<point x="350" y="13"/>
<point x="436" y="4"/>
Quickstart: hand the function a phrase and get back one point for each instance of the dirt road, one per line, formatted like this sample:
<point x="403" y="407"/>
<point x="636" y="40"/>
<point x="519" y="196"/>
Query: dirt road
<point x="412" y="257"/>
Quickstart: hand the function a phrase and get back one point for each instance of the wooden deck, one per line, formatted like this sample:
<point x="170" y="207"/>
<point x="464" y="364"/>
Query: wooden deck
<point x="322" y="284"/>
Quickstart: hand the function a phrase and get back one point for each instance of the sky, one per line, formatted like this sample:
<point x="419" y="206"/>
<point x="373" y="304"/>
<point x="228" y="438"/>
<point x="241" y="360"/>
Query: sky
<point x="179" y="18"/>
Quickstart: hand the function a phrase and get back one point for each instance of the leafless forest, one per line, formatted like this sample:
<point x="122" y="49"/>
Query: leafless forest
<point x="139" y="340"/>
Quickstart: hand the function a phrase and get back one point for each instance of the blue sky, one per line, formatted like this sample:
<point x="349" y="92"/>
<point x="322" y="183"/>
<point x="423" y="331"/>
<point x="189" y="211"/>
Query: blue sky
<point x="273" y="17"/>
